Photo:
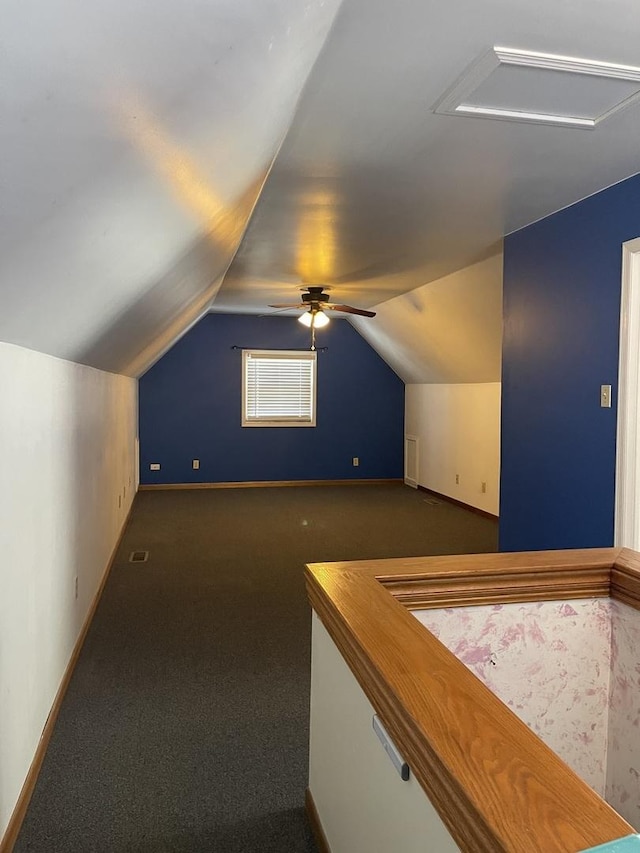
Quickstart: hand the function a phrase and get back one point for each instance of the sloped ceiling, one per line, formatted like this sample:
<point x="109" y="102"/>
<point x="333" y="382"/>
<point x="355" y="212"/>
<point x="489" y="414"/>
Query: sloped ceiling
<point x="375" y="195"/>
<point x="447" y="331"/>
<point x="136" y="136"/>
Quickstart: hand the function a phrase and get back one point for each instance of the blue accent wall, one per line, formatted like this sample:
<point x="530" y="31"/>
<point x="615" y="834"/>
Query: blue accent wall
<point x="190" y="408"/>
<point x="562" y="283"/>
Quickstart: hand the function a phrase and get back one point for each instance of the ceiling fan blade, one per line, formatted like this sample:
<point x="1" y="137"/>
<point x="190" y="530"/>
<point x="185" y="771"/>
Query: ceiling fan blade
<point x="275" y="313"/>
<point x="348" y="309"/>
<point x="297" y="305"/>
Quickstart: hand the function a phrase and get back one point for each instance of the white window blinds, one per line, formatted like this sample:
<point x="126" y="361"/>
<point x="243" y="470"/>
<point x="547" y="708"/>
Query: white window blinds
<point x="279" y="388"/>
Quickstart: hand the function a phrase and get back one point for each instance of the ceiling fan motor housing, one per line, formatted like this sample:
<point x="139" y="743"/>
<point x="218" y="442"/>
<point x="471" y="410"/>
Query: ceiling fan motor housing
<point x="315" y="294"/>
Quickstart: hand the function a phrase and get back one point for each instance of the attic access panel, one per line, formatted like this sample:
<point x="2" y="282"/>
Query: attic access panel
<point x="541" y="88"/>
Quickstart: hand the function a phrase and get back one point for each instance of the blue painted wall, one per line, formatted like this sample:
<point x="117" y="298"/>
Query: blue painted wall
<point x="190" y="408"/>
<point x="561" y="330"/>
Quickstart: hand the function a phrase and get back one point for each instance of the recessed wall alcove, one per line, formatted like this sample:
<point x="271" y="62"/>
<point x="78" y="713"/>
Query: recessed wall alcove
<point x="570" y="670"/>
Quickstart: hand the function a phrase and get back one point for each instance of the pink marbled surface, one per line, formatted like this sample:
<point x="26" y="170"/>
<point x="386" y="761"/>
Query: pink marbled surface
<point x="550" y="663"/>
<point x="623" y="757"/>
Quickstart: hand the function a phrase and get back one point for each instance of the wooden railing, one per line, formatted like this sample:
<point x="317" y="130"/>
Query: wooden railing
<point x="495" y="784"/>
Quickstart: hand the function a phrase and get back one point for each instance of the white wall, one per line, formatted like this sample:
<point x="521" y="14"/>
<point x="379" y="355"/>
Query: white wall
<point x="458" y="431"/>
<point x="363" y="804"/>
<point x="67" y="479"/>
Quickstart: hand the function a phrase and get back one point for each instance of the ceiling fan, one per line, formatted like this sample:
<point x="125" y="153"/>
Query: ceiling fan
<point x="317" y="302"/>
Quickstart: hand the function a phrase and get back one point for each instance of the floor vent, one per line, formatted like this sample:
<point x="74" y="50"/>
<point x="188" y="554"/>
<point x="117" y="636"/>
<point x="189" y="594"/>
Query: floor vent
<point x="432" y="501"/>
<point x="138" y="556"/>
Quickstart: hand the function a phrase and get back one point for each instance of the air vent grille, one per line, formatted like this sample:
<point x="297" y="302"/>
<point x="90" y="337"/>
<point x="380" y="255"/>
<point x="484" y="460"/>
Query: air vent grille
<point x="138" y="556"/>
<point x="432" y="501"/>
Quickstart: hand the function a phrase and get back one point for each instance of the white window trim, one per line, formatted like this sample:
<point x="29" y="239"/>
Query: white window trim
<point x="282" y="354"/>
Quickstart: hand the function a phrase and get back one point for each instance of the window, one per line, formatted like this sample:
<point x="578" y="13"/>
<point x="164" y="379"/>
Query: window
<point x="278" y="388"/>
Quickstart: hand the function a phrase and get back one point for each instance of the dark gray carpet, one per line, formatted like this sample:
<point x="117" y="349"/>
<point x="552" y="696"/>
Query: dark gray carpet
<point x="186" y="722"/>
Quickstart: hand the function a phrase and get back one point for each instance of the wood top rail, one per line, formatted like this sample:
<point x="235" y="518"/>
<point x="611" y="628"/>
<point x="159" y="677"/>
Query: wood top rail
<point x="495" y="784"/>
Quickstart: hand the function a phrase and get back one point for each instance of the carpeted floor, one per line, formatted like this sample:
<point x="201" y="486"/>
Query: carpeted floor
<point x="186" y="722"/>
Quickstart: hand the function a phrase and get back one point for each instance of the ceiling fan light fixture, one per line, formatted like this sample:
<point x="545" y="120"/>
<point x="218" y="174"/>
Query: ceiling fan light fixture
<point x="318" y="319"/>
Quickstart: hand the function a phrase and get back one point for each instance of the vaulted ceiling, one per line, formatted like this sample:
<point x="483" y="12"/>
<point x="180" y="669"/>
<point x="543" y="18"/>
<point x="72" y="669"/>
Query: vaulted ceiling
<point x="163" y="158"/>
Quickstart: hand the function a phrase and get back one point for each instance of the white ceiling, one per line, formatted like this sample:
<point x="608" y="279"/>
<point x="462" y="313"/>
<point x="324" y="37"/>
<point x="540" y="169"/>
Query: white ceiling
<point x="137" y="136"/>
<point x="375" y="194"/>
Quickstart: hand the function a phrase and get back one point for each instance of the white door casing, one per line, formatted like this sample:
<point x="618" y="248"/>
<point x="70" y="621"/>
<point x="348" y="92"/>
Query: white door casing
<point x="627" y="507"/>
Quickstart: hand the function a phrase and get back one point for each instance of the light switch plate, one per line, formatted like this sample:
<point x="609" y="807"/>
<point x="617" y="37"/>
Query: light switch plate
<point x="154" y="466"/>
<point x="605" y="396"/>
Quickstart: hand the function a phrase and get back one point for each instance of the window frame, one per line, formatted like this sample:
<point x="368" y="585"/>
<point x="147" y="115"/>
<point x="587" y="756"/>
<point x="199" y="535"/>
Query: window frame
<point x="280" y="355"/>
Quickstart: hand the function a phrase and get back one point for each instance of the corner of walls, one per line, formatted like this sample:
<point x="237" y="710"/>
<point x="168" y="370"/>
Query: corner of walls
<point x="457" y="428"/>
<point x="623" y="758"/>
<point x="67" y="453"/>
<point x="557" y="683"/>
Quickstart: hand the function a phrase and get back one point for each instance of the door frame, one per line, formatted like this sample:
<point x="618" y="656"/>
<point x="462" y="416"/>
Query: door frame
<point x="627" y="506"/>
